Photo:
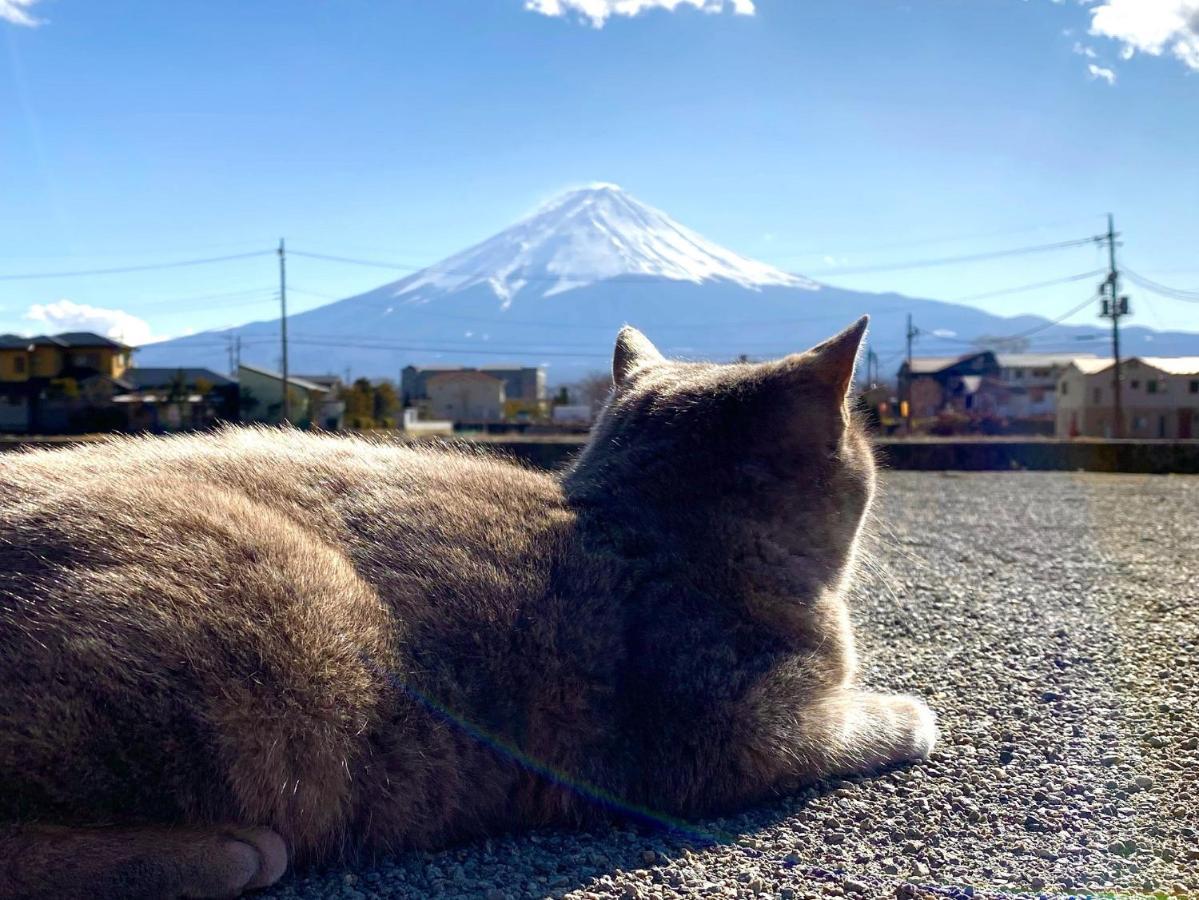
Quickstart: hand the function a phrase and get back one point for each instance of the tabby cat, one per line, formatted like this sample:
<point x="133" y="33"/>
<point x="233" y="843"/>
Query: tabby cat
<point x="223" y="653"/>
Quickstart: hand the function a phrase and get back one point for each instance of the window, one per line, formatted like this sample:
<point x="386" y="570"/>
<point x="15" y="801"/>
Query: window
<point x="19" y="365"/>
<point x="1195" y="387"/>
<point x="1151" y="386"/>
<point x="1019" y="373"/>
<point x="1098" y="395"/>
<point x="1134" y="384"/>
<point x="1065" y="386"/>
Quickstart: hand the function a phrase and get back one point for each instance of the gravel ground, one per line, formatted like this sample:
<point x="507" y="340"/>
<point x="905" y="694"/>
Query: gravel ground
<point x="1052" y="621"/>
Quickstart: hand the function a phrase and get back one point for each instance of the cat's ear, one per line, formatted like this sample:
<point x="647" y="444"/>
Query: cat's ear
<point x="633" y="350"/>
<point x="833" y="360"/>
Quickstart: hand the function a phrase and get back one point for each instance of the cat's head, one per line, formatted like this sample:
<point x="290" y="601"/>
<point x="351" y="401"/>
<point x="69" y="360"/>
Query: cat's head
<point x="770" y="448"/>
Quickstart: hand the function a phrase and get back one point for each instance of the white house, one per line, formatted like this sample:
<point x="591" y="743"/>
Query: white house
<point x="1160" y="398"/>
<point x="1031" y="380"/>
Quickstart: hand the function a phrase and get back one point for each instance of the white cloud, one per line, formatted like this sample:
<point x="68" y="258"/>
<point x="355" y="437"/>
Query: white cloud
<point x="1151" y="26"/>
<point x="597" y="12"/>
<point x="1083" y="50"/>
<point x="65" y="315"/>
<point x="17" y="12"/>
<point x="1098" y="72"/>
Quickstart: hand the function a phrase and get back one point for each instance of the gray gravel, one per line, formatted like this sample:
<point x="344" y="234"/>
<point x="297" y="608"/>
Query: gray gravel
<point x="1052" y="621"/>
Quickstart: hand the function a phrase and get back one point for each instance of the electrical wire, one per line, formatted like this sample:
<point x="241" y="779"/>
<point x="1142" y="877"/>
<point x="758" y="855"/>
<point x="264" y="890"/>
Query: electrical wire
<point x="1027" y="333"/>
<point x="143" y="268"/>
<point x="954" y="260"/>
<point x="1028" y="287"/>
<point x="1172" y="293"/>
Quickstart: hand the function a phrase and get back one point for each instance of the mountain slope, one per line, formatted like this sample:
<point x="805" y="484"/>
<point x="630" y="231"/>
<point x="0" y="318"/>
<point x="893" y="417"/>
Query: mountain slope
<point x="554" y="288"/>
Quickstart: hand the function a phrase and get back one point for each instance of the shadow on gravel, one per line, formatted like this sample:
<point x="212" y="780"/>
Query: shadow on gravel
<point x="553" y="863"/>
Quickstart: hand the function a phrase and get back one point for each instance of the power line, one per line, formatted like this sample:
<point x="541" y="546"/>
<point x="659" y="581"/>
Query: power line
<point x="364" y="346"/>
<point x="1172" y="293"/>
<point x="940" y="240"/>
<point x="1020" y="335"/>
<point x="1029" y="287"/>
<point x="953" y="260"/>
<point x="566" y="276"/>
<point x="143" y="268"/>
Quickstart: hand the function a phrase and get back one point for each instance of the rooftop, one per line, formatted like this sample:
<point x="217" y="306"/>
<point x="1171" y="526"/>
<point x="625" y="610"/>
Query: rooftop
<point x="291" y="379"/>
<point x="1171" y="365"/>
<point x="1033" y="360"/>
<point x="928" y="365"/>
<point x="66" y="339"/>
<point x="155" y="377"/>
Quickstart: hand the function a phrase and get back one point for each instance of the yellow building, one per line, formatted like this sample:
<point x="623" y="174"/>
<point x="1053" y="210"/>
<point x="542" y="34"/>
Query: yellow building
<point x="71" y="354"/>
<point x="52" y="383"/>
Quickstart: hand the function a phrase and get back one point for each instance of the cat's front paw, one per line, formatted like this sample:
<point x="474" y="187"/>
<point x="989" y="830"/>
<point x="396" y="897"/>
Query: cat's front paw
<point x="918" y="727"/>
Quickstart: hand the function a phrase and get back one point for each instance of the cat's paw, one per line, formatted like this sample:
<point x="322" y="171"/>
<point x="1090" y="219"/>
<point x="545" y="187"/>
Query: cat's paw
<point x="918" y="727"/>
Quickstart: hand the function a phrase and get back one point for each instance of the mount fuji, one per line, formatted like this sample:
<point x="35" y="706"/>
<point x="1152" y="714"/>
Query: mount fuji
<point x="554" y="288"/>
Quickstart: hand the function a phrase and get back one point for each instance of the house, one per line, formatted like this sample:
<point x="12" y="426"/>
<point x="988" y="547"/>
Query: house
<point x="937" y="384"/>
<point x="1013" y="392"/>
<point x="61" y="383"/>
<point x="309" y="404"/>
<point x="521" y="383"/>
<point x="174" y="399"/>
<point x="331" y="383"/>
<point x="1159" y="398"/>
<point x="465" y="395"/>
<point x="1031" y="380"/>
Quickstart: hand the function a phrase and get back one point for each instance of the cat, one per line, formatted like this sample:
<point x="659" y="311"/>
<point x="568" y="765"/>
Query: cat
<point x="224" y="654"/>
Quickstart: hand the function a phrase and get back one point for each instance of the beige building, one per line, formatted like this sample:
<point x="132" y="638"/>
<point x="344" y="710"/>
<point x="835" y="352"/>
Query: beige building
<point x="1160" y="398"/>
<point x="465" y="395"/>
<point x="309" y="404"/>
<point x="1031" y="381"/>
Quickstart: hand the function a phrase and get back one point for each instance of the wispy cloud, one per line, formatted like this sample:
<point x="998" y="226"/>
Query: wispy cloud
<point x="65" y="315"/>
<point x="1150" y="26"/>
<point x="17" y="12"/>
<point x="597" y="12"/>
<point x="1099" y="73"/>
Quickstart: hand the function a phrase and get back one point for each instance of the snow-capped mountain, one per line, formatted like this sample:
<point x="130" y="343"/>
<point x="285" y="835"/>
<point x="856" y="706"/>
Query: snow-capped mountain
<point x="590" y="235"/>
<point x="554" y="288"/>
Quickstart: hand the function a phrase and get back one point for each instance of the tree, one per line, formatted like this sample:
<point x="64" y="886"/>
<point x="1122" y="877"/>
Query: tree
<point x="386" y="404"/>
<point x="359" y="398"/>
<point x="593" y="389"/>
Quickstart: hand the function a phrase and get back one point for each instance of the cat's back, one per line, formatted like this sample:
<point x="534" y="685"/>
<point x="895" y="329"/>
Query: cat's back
<point x="176" y="607"/>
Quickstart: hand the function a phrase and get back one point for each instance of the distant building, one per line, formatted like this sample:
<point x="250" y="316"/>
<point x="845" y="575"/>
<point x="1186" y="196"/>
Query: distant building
<point x="332" y="383"/>
<point x="412" y="423"/>
<point x="61" y="383"/>
<point x="465" y="395"/>
<point x="526" y="383"/>
<point x="1031" y="381"/>
<point x="173" y="399"/>
<point x="938" y="384"/>
<point x="309" y="404"/>
<point x="1159" y="398"/>
<point x="572" y="414"/>
<point x="1011" y="391"/>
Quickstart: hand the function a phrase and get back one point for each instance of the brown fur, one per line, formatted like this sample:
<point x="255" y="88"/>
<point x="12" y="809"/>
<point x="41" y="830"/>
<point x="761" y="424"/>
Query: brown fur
<point x="365" y="647"/>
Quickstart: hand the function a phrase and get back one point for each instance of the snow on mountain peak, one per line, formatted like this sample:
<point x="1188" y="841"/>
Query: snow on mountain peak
<point x="592" y="234"/>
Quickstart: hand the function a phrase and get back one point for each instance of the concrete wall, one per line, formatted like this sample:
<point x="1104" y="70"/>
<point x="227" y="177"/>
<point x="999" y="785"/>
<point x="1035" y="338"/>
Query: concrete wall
<point x="1156" y="457"/>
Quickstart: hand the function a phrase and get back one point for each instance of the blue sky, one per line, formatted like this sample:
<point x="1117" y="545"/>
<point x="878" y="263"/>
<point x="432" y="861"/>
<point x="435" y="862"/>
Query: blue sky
<point x="813" y="135"/>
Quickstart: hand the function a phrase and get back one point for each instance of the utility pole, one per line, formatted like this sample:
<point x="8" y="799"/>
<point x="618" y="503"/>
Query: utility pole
<point x="283" y="328"/>
<point x="907" y="388"/>
<point x="871" y="368"/>
<point x="1114" y="306"/>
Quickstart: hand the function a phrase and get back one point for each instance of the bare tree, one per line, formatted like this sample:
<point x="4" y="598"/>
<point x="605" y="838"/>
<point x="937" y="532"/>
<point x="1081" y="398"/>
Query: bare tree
<point x="593" y="389"/>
